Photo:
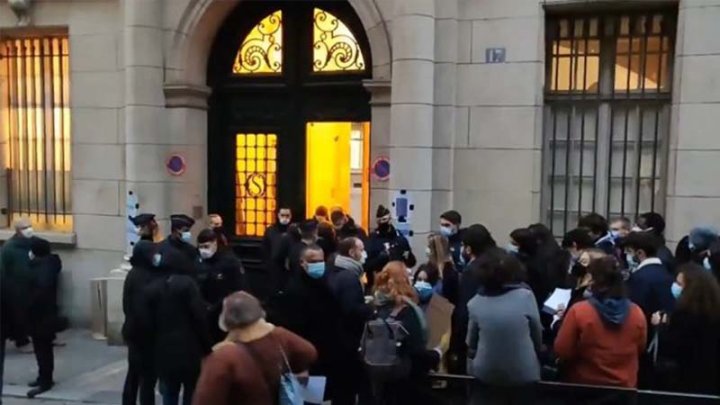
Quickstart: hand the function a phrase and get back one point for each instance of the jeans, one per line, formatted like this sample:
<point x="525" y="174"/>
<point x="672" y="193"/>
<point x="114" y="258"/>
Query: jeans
<point x="170" y="389"/>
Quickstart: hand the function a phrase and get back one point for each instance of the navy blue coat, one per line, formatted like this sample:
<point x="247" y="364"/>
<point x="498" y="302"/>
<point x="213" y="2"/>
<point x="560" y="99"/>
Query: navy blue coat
<point x="649" y="287"/>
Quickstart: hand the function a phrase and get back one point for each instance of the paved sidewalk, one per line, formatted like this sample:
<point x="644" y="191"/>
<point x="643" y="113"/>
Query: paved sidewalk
<point x="86" y="371"/>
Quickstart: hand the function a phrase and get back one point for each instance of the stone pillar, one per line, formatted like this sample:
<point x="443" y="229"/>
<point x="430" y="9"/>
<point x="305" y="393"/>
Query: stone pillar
<point x="693" y="193"/>
<point x="411" y="124"/>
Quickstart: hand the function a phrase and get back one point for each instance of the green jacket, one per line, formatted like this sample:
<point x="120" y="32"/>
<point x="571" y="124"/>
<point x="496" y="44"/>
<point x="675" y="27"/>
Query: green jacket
<point x="15" y="264"/>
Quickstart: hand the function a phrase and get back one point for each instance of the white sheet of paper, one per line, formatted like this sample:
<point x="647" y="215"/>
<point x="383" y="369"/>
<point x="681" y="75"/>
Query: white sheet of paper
<point x="560" y="296"/>
<point x="314" y="391"/>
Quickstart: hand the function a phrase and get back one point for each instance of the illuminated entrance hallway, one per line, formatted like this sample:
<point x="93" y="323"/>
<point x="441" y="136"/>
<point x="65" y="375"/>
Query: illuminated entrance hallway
<point x="289" y="119"/>
<point x="337" y="168"/>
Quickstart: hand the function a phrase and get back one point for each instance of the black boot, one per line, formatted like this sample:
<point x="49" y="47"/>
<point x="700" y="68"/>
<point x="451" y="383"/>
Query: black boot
<point x="41" y="388"/>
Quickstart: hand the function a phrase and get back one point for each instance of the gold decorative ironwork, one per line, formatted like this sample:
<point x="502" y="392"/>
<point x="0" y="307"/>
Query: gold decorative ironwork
<point x="262" y="49"/>
<point x="335" y="48"/>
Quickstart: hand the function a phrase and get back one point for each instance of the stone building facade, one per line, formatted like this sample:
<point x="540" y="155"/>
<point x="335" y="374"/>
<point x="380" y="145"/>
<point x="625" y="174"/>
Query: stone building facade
<point x="463" y="99"/>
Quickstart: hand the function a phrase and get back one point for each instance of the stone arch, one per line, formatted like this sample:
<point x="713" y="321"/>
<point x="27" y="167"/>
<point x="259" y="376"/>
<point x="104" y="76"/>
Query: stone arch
<point x="197" y="25"/>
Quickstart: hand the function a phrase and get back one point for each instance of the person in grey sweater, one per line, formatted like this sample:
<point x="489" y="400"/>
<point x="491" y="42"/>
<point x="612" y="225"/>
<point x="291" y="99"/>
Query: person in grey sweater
<point x="504" y="330"/>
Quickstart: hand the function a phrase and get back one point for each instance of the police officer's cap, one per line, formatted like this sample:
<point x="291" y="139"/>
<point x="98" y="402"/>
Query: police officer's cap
<point x="181" y="221"/>
<point x="142" y="219"/>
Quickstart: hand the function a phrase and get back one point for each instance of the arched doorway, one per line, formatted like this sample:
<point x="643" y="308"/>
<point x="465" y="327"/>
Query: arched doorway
<point x="288" y="115"/>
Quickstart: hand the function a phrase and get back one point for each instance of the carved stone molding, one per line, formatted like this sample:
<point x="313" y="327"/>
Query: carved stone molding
<point x="379" y="90"/>
<point x="185" y="95"/>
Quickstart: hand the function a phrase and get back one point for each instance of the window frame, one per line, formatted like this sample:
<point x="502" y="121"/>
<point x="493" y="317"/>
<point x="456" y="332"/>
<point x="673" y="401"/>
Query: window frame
<point x="606" y="100"/>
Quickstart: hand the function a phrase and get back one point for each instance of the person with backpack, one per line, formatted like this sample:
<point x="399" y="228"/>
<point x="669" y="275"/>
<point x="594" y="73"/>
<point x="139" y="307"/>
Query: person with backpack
<point x="504" y="333"/>
<point x="394" y="345"/>
<point x="251" y="365"/>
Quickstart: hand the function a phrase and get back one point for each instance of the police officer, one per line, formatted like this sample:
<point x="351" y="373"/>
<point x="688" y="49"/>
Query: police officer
<point x="146" y="227"/>
<point x="176" y="252"/>
<point x="386" y="244"/>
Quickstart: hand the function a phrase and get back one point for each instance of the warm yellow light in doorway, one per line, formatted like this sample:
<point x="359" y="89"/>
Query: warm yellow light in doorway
<point x="333" y="176"/>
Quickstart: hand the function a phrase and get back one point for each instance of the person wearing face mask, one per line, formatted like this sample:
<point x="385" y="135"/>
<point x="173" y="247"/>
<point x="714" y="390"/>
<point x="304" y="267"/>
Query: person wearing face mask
<point x="274" y="233"/>
<point x="224" y="275"/>
<point x="140" y="377"/>
<point x="146" y="227"/>
<point x="386" y="244"/>
<point x="308" y="307"/>
<point x="575" y="242"/>
<point x="177" y="252"/>
<point x="477" y="241"/>
<point x="712" y="262"/>
<point x="602" y="338"/>
<point x="175" y="318"/>
<point x="649" y="286"/>
<point x="16" y="280"/>
<point x="655" y="223"/>
<point x="690" y="336"/>
<point x="699" y="241"/>
<point x="345" y="280"/>
<point x="425" y="281"/>
<point x="43" y="314"/>
<point x="450" y="227"/>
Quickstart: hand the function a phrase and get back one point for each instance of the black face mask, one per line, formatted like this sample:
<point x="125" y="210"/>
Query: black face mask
<point x="384" y="228"/>
<point x="578" y="270"/>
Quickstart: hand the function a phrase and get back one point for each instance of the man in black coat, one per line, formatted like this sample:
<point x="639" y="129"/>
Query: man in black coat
<point x="344" y="278"/>
<point x="450" y="227"/>
<point x="43" y="311"/>
<point x="141" y="369"/>
<point x="308" y="308"/>
<point x="176" y="316"/>
<point x="386" y="244"/>
<point x="224" y="275"/>
<point x="274" y="233"/>
<point x="345" y="226"/>
<point x="177" y="252"/>
<point x="146" y="227"/>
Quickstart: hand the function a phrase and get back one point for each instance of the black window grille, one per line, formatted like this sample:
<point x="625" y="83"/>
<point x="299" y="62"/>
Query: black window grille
<point x="607" y="114"/>
<point x="35" y="105"/>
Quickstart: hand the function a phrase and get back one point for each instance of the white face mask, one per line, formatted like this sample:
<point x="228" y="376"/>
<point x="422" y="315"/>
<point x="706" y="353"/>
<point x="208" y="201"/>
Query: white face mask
<point x="207" y="253"/>
<point x="363" y="257"/>
<point x="283" y="220"/>
<point x="27" y="232"/>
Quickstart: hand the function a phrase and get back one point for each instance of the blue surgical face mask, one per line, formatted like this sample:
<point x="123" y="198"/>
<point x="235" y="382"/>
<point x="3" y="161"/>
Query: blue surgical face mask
<point x="316" y="270"/>
<point x="510" y="248"/>
<point x="706" y="264"/>
<point x="186" y="237"/>
<point x="691" y="245"/>
<point x="424" y="290"/>
<point x="447" y="231"/>
<point x="428" y="251"/>
<point x="676" y="290"/>
<point x="587" y="293"/>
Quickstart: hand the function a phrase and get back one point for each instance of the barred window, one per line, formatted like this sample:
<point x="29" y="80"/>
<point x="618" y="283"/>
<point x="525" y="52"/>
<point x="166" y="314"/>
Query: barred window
<point x="607" y="115"/>
<point x="35" y="125"/>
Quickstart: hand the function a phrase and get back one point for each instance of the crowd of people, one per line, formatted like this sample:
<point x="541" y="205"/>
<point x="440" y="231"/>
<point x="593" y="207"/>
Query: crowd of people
<point x="635" y="314"/>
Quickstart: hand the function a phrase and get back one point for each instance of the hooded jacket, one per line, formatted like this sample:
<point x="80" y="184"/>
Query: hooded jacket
<point x="600" y="342"/>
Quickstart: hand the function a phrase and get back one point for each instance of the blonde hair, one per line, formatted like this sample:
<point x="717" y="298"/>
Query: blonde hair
<point x="439" y="251"/>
